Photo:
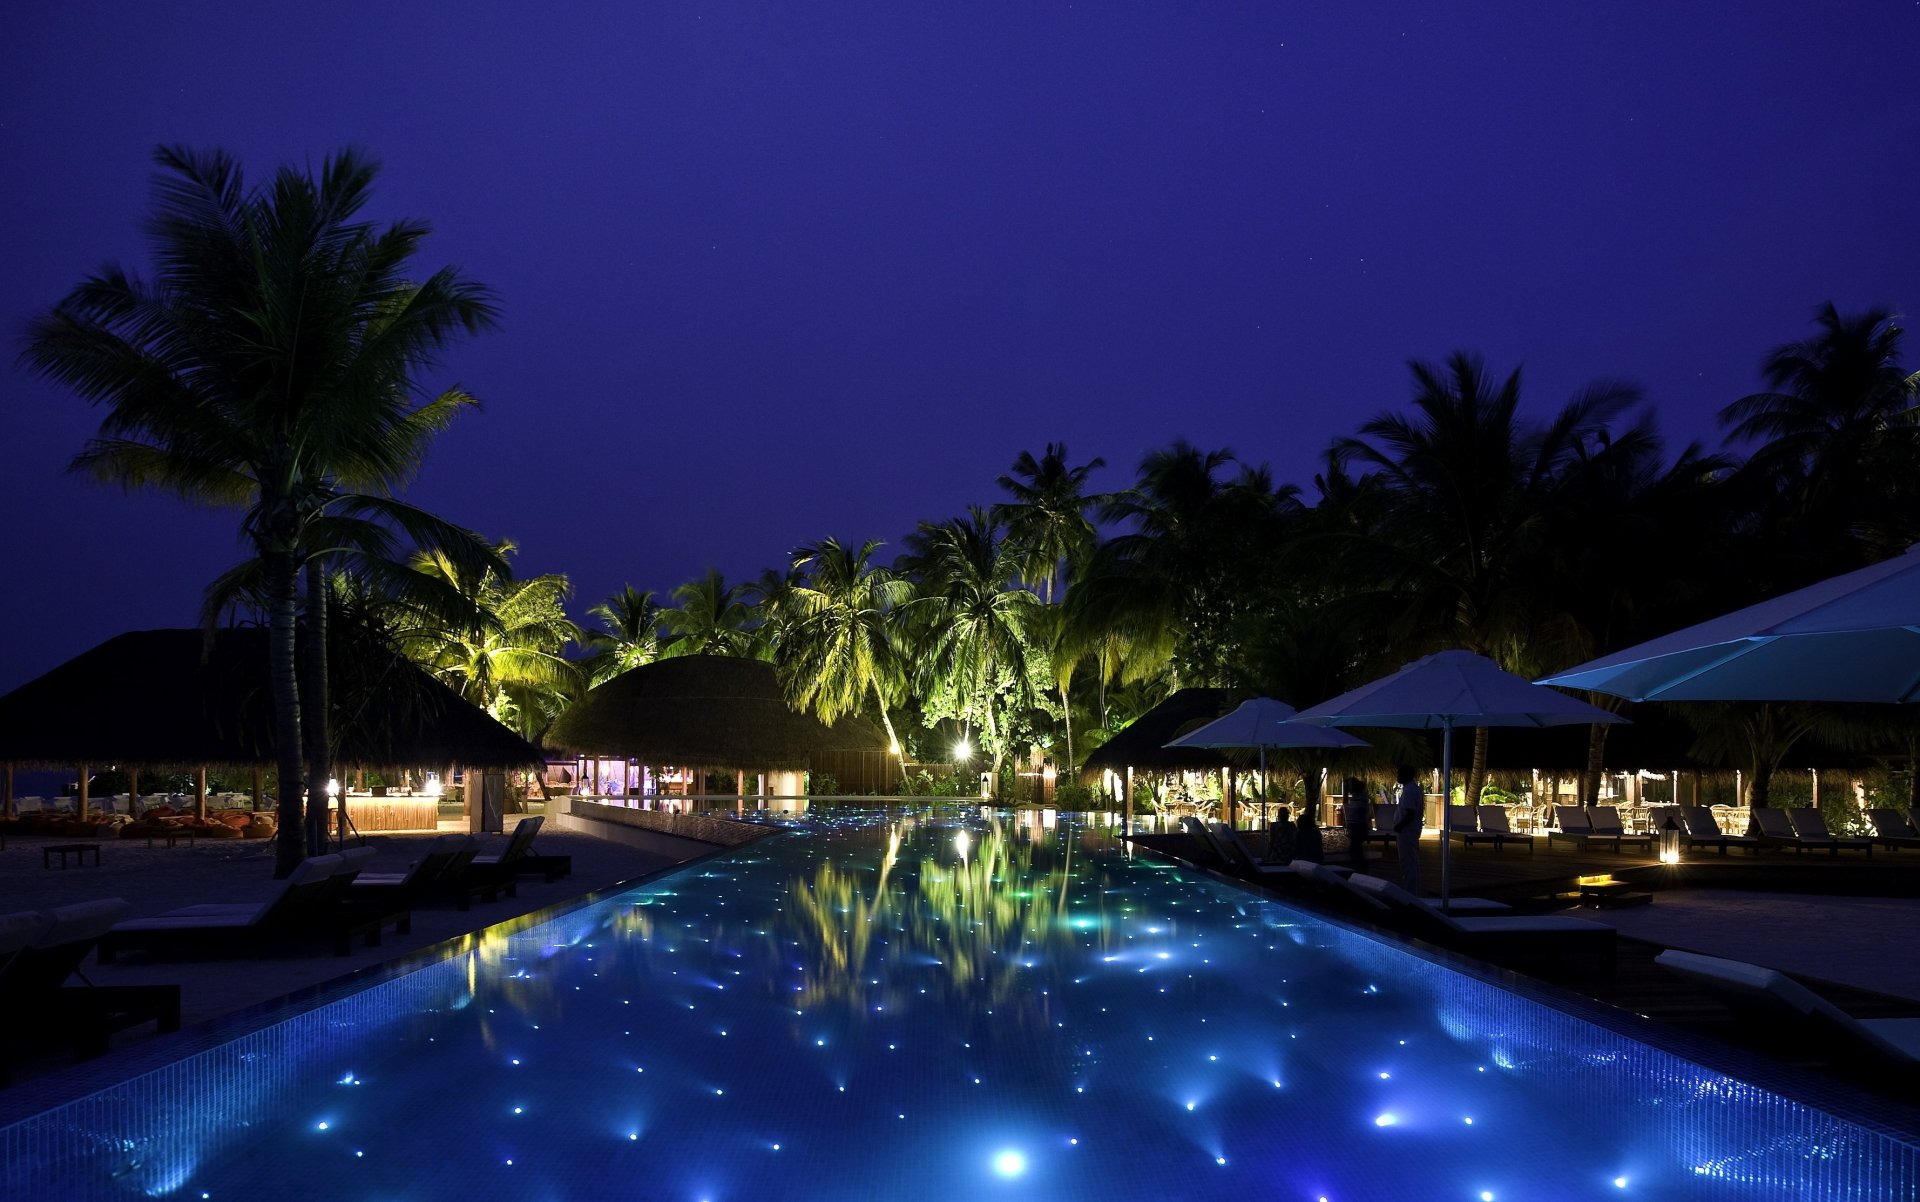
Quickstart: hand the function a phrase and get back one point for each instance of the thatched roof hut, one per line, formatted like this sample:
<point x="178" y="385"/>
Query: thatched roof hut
<point x="705" y="711"/>
<point x="180" y="699"/>
<point x="1143" y="742"/>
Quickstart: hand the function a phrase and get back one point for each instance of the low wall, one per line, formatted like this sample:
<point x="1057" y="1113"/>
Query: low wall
<point x="681" y="836"/>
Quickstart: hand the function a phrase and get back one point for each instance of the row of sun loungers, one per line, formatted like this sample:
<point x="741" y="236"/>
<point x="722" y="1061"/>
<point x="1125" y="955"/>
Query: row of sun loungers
<point x="1478" y="926"/>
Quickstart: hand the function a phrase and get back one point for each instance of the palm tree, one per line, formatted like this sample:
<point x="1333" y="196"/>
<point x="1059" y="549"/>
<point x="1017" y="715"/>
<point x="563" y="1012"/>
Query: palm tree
<point x="268" y="366"/>
<point x="1176" y="580"/>
<point x="1472" y="491"/>
<point x="710" y="617"/>
<point x="513" y="664"/>
<point x="975" y="623"/>
<point x="629" y="634"/>
<point x="1839" y="436"/>
<point x="771" y="602"/>
<point x="841" y="644"/>
<point x="1047" y="519"/>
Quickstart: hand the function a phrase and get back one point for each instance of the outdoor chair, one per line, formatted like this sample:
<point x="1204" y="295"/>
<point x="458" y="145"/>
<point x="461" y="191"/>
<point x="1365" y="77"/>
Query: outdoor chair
<point x="437" y="873"/>
<point x="1893" y="828"/>
<point x="33" y="981"/>
<point x="1384" y="815"/>
<point x="518" y="859"/>
<point x="1571" y="826"/>
<point x="1698" y="828"/>
<point x="306" y="904"/>
<point x="1227" y="844"/>
<point x="1494" y="937"/>
<point x="1335" y="888"/>
<point x="1607" y="827"/>
<point x="1767" y="992"/>
<point x="1810" y="827"/>
<point x="1463" y="824"/>
<point x="1197" y="830"/>
<point x="1493" y="822"/>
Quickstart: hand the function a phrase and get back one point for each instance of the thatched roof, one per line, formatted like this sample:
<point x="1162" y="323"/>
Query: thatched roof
<point x="177" y="699"/>
<point x="1142" y="743"/>
<point x="704" y="711"/>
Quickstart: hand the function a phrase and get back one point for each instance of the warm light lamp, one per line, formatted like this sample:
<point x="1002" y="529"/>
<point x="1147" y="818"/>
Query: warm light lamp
<point x="1669" y="844"/>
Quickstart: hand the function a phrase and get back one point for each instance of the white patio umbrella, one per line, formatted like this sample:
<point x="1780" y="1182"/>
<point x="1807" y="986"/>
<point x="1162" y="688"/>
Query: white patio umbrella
<point x="1854" y="637"/>
<point x="1264" y="723"/>
<point x="1448" y="689"/>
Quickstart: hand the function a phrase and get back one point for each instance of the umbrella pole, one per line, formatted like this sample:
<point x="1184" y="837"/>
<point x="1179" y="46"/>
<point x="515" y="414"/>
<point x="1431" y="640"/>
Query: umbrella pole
<point x="1446" y="799"/>
<point x="1263" y="790"/>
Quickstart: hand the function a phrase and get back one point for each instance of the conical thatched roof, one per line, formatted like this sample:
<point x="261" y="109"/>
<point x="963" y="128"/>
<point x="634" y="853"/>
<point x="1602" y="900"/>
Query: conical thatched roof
<point x="178" y="699"/>
<point x="1142" y="744"/>
<point x="704" y="711"/>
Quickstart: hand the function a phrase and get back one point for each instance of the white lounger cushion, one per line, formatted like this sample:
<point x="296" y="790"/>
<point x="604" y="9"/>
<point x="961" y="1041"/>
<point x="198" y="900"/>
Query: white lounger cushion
<point x="1897" y="1037"/>
<point x="1388" y="891"/>
<point x="21" y="929"/>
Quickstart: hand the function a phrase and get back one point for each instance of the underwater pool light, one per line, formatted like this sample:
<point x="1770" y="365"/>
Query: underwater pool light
<point x="1009" y="1163"/>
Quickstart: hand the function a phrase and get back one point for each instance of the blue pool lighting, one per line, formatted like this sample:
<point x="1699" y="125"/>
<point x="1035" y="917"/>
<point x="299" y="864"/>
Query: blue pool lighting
<point x="927" y="998"/>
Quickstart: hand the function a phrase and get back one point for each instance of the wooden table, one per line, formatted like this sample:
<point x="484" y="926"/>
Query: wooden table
<point x="79" y="850"/>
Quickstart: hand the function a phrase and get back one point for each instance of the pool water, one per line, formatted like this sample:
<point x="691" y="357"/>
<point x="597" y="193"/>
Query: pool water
<point x="881" y="1006"/>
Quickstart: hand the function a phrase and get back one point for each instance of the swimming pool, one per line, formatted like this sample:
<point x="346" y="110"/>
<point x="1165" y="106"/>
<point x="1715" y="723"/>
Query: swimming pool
<point x="879" y="1006"/>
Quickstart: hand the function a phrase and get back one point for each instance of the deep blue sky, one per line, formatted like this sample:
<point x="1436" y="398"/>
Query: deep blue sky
<point x="776" y="271"/>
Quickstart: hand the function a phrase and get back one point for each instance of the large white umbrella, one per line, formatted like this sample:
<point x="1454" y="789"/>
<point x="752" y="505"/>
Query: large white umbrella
<point x="1448" y="689"/>
<point x="1854" y="637"/>
<point x="1264" y="723"/>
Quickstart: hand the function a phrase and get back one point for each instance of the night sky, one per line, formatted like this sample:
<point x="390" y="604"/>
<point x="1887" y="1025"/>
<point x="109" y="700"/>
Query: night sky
<point x="774" y="272"/>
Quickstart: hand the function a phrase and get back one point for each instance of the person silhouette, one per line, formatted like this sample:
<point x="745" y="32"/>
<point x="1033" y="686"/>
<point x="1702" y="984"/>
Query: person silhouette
<point x="1407" y="825"/>
<point x="1358" y="818"/>
<point x="1281" y="838"/>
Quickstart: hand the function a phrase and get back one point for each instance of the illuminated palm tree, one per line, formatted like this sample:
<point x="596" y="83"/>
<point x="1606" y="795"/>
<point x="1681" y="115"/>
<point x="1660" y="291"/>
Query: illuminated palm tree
<point x="841" y="644"/>
<point x="269" y="366"/>
<point x="709" y="617"/>
<point x="629" y="634"/>
<point x="974" y="622"/>
<point x="1047" y="519"/>
<point x="513" y="664"/>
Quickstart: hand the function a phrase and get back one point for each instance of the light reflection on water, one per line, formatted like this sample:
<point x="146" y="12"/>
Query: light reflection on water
<point x="890" y="1005"/>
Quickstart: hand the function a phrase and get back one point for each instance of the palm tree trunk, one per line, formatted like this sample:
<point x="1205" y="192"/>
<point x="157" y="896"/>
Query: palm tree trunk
<point x="290" y="842"/>
<point x="1596" y="759"/>
<point x="993" y="732"/>
<point x="1477" y="775"/>
<point x="893" y="741"/>
<point x="315" y="709"/>
<point x="1066" y="715"/>
<point x="1760" y="787"/>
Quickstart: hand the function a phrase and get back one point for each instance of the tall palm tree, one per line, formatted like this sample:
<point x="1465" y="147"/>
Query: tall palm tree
<point x="975" y="623"/>
<point x="1472" y="491"/>
<point x="709" y="617"/>
<point x="841" y="644"/>
<point x="1047" y="519"/>
<point x="629" y="634"/>
<point x="1839" y="432"/>
<point x="268" y="365"/>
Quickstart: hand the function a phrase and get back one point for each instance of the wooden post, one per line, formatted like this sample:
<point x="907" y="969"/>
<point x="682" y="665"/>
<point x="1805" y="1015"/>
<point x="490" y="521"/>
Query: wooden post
<point x="133" y="791"/>
<point x="83" y="793"/>
<point x="1226" y="796"/>
<point x="200" y="793"/>
<point x="1127" y="824"/>
<point x="259" y="790"/>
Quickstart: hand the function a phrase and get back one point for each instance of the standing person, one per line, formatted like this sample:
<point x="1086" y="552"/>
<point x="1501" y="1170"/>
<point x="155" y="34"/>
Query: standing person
<point x="1359" y="820"/>
<point x="1281" y="838"/>
<point x="1406" y="827"/>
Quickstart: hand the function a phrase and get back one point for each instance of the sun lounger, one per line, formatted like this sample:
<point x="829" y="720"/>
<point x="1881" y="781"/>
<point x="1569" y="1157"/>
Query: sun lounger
<point x="1810" y="828"/>
<point x="307" y="903"/>
<point x="1571" y="826"/>
<point x="1463" y="824"/>
<point x="1493" y="822"/>
<point x="1332" y="887"/>
<point x="1699" y="828"/>
<point x="439" y="873"/>
<point x="33" y="981"/>
<point x="1607" y="828"/>
<point x="1893" y="828"/>
<point x="518" y="858"/>
<point x="1227" y="842"/>
<point x="1765" y="991"/>
<point x="1493" y="936"/>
